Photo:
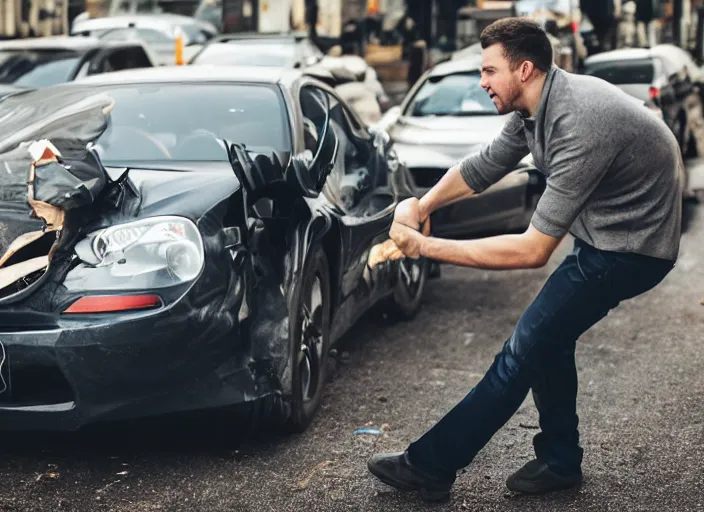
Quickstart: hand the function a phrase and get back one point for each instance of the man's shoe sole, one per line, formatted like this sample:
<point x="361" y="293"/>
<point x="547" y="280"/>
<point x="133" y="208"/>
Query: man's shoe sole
<point x="430" y="495"/>
<point x="527" y="487"/>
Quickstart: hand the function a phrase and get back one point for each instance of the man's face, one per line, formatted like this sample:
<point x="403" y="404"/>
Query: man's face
<point x="503" y="84"/>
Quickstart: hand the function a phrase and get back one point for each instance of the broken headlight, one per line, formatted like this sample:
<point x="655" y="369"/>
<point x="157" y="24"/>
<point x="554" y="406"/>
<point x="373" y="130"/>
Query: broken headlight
<point x="151" y="253"/>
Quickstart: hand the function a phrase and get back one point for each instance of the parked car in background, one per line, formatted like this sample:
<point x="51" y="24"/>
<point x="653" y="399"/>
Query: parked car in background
<point x="357" y="80"/>
<point x="157" y="31"/>
<point x="663" y="77"/>
<point x="294" y="50"/>
<point x="445" y="116"/>
<point x="46" y="61"/>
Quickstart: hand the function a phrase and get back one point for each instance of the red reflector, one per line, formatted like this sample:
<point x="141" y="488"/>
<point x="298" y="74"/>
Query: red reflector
<point x="113" y="303"/>
<point x="654" y="93"/>
<point x="575" y="27"/>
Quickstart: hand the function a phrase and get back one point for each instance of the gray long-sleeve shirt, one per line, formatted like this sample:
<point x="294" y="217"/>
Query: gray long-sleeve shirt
<point x="612" y="167"/>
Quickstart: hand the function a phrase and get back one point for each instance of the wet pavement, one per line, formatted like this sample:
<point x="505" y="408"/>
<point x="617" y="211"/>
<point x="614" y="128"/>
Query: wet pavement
<point x="640" y="404"/>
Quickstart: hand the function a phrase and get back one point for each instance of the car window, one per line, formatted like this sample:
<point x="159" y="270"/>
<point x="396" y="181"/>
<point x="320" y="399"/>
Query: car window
<point x="210" y="11"/>
<point x="148" y="35"/>
<point x="128" y="58"/>
<point x="245" y="53"/>
<point x="37" y="68"/>
<point x="193" y="34"/>
<point x="635" y="71"/>
<point x="314" y="117"/>
<point x="355" y="168"/>
<point x="456" y="94"/>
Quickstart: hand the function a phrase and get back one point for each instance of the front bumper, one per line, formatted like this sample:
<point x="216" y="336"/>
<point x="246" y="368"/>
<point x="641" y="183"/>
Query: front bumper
<point x="113" y="368"/>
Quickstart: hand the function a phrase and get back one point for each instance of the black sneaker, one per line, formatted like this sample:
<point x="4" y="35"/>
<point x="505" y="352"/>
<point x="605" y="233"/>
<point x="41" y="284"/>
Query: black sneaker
<point x="537" y="478"/>
<point x="396" y="470"/>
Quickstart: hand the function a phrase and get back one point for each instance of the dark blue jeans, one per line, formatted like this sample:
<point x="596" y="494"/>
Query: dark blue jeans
<point x="540" y="355"/>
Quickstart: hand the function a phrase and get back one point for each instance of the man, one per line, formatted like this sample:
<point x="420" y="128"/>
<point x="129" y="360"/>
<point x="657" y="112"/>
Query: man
<point x="612" y="171"/>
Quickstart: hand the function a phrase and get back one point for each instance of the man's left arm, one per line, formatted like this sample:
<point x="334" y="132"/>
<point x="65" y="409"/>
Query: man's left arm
<point x="578" y="163"/>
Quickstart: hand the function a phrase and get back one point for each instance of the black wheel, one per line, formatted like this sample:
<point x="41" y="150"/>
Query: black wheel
<point x="405" y="302"/>
<point x="310" y="339"/>
<point x="691" y="148"/>
<point x="682" y="133"/>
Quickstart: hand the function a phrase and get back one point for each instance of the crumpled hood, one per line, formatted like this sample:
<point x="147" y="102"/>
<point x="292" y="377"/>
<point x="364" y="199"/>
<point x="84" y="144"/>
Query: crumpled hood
<point x="451" y="136"/>
<point x="180" y="188"/>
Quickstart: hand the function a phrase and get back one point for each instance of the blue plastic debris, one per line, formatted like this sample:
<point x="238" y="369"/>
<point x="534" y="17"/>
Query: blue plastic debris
<point x="372" y="431"/>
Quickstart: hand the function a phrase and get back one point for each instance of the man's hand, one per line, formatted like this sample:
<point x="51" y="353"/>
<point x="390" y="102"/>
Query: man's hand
<point x="408" y="240"/>
<point x="409" y="213"/>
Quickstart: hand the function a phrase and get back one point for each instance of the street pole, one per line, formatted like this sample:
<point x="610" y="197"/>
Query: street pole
<point x="677" y="22"/>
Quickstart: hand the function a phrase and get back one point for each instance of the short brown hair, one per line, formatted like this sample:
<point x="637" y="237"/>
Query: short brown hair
<point x="522" y="39"/>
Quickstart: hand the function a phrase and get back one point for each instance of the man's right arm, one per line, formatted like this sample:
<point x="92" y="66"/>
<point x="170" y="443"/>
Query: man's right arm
<point x="479" y="171"/>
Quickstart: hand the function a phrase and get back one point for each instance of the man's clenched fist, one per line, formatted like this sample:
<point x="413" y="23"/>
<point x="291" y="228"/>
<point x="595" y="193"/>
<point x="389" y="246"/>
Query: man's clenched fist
<point x="408" y="213"/>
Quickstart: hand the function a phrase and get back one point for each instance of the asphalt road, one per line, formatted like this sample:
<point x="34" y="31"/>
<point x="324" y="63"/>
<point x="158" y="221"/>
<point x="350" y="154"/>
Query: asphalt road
<point x="640" y="404"/>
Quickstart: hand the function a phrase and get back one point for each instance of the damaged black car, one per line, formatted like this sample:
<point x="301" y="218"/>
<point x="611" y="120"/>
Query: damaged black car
<point x="179" y="239"/>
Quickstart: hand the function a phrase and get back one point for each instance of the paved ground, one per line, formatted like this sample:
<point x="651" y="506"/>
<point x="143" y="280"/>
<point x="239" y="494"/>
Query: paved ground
<point x="640" y="402"/>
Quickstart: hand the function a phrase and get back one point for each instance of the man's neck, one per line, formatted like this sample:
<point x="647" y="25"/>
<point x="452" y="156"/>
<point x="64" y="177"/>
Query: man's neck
<point x="533" y="93"/>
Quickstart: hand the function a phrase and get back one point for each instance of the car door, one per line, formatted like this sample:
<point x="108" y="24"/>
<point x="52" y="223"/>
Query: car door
<point x="357" y="193"/>
<point x="360" y="189"/>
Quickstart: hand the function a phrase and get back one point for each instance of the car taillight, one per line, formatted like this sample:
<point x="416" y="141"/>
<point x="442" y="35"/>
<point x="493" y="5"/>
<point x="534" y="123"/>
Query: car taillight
<point x="112" y="303"/>
<point x="654" y="93"/>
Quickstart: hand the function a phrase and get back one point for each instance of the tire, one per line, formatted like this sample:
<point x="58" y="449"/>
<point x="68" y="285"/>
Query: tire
<point x="310" y="340"/>
<point x="405" y="302"/>
<point x="692" y="151"/>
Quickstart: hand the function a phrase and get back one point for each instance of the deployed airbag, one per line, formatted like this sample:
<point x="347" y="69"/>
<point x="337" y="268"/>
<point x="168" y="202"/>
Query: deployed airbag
<point x="73" y="183"/>
<point x="57" y="176"/>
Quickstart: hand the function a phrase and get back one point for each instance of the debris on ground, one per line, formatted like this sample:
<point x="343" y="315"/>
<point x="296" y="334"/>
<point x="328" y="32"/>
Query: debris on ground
<point x="528" y="426"/>
<point x="52" y="474"/>
<point x="303" y="484"/>
<point x="372" y="431"/>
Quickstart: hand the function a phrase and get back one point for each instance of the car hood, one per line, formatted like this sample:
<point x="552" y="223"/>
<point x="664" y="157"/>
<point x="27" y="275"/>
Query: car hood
<point x="453" y="137"/>
<point x="179" y="188"/>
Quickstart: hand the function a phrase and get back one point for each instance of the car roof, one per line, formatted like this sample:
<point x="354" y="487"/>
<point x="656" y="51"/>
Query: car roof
<point x="464" y="65"/>
<point x="161" y="20"/>
<point x="620" y="54"/>
<point x="204" y="74"/>
<point x="284" y="38"/>
<point x="62" y="42"/>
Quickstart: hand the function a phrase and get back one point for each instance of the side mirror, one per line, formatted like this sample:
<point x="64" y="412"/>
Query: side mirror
<point x="309" y="176"/>
<point x="381" y="137"/>
<point x="389" y="119"/>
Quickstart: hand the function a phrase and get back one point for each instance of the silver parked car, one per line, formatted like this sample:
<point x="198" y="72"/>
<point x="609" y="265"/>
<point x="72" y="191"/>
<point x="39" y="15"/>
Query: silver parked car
<point x="157" y="31"/>
<point x="445" y="116"/>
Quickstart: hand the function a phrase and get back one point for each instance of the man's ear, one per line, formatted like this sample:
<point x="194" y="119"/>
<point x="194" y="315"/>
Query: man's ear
<point x="527" y="68"/>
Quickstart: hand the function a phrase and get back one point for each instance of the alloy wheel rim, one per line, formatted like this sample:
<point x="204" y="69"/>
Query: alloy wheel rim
<point x="311" y="346"/>
<point x="411" y="274"/>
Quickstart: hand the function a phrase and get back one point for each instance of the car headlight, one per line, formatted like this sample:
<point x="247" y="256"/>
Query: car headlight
<point x="151" y="253"/>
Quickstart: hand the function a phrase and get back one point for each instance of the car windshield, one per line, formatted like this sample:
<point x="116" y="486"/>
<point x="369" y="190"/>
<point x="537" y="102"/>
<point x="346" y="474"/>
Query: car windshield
<point x="248" y="53"/>
<point x="636" y="71"/>
<point x="37" y="68"/>
<point x="158" y="122"/>
<point x="451" y="95"/>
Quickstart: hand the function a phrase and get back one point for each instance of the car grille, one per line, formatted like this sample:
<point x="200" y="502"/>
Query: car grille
<point x="34" y="384"/>
<point x="427" y="177"/>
